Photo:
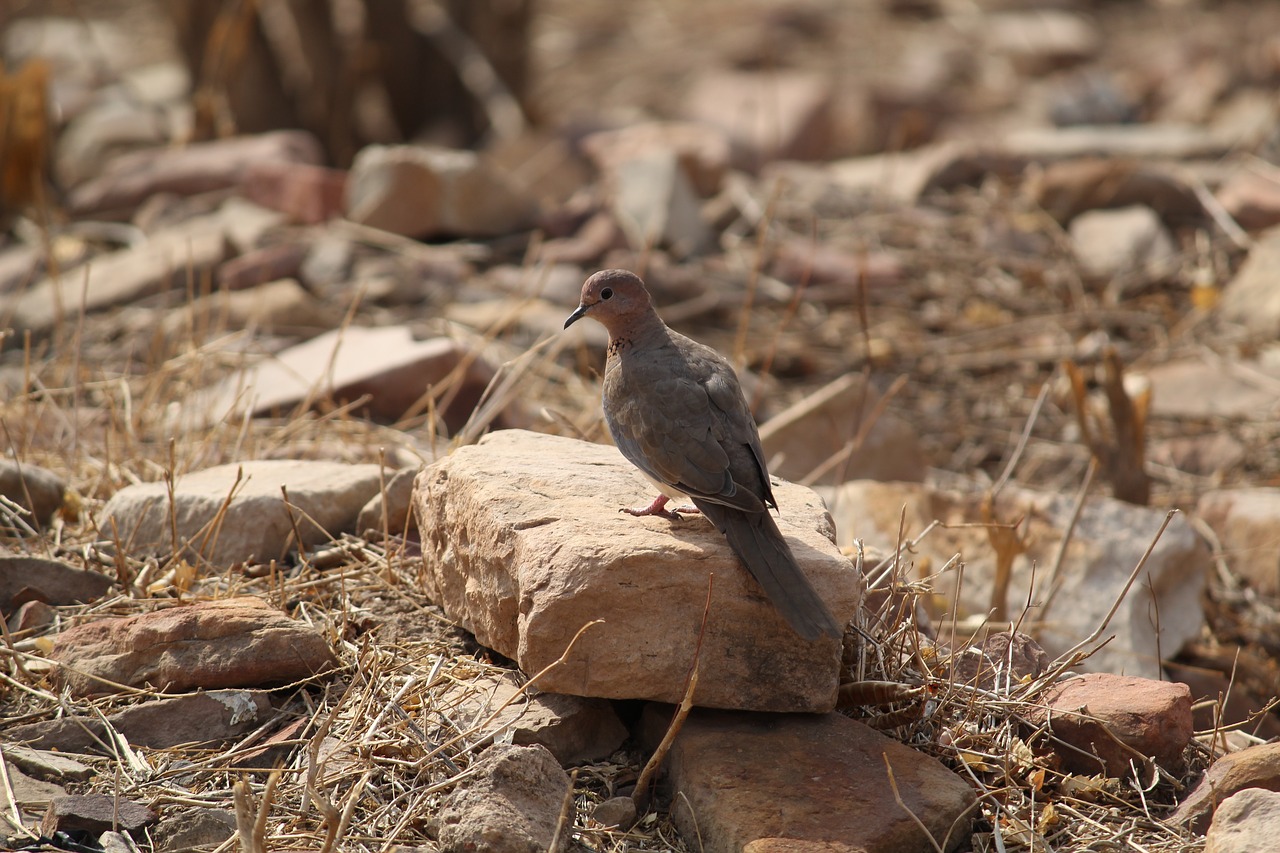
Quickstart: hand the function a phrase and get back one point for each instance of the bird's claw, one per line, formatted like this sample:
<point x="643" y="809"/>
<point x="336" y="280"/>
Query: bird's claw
<point x="658" y="508"/>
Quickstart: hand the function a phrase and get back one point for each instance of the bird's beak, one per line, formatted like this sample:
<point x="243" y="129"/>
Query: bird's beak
<point x="576" y="316"/>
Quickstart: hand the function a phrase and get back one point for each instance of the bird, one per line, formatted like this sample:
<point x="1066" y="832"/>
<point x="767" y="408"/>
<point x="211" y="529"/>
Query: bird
<point x="676" y="411"/>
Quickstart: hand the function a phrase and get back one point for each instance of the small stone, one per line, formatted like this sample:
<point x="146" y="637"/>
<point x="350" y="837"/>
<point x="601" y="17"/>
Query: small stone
<point x="774" y="115"/>
<point x="1109" y="538"/>
<point x="237" y="642"/>
<point x="387" y="366"/>
<point x="259" y="266"/>
<point x="47" y="765"/>
<point x="32" y="616"/>
<point x="281" y="307"/>
<point x="1247" y="522"/>
<point x="1125" y="241"/>
<point x="1251" y="297"/>
<point x="95" y="814"/>
<point x="391" y="510"/>
<point x="24" y="579"/>
<point x="702" y="151"/>
<point x="201" y="167"/>
<point x="1252" y="198"/>
<point x="615" y="813"/>
<point x="1108" y="721"/>
<point x="1041" y="41"/>
<point x="33" y="488"/>
<point x="655" y="205"/>
<point x="1211" y="388"/>
<point x="160" y="263"/>
<point x="1002" y="661"/>
<point x="193" y="828"/>
<point x="1252" y="767"/>
<point x="812" y="432"/>
<point x="791" y="782"/>
<point x="237" y="513"/>
<point x="574" y="729"/>
<point x="424" y="192"/>
<point x="1246" y="822"/>
<point x="511" y="803"/>
<point x="306" y="194"/>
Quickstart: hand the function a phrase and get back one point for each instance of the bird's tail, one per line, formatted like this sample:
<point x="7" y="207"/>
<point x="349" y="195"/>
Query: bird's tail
<point x="758" y="542"/>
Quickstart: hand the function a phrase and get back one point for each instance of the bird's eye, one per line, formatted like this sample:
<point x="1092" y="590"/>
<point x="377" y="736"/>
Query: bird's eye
<point x="607" y="293"/>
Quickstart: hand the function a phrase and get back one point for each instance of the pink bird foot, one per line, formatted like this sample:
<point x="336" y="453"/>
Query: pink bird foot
<point x="658" y="508"/>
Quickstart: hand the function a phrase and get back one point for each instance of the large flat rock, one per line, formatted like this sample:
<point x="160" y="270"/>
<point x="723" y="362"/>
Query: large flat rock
<point x="523" y="544"/>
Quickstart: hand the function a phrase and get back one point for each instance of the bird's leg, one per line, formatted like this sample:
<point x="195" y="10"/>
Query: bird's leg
<point x="658" y="508"/>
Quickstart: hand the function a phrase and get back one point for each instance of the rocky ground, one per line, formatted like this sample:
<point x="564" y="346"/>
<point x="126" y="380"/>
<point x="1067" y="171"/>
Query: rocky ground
<point x="308" y="529"/>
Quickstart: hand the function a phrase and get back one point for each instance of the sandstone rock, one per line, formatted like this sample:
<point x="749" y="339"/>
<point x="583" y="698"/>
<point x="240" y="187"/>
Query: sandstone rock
<point x="281" y="307"/>
<point x="237" y="642"/>
<point x="24" y="579"/>
<point x="775" y="115"/>
<point x="523" y="544"/>
<point x="702" y="151"/>
<point x="31" y="795"/>
<point x="1126" y="241"/>
<point x="162" y="262"/>
<point x="617" y="812"/>
<point x="1251" y="298"/>
<point x="1040" y="41"/>
<point x="211" y="717"/>
<point x="33" y="488"/>
<point x="1214" y="388"/>
<point x="1246" y="822"/>
<point x="203" y="166"/>
<point x="511" y="805"/>
<point x="1106" y="721"/>
<point x="1254" y="767"/>
<point x="193" y="828"/>
<point x="1252" y="198"/>
<point x="575" y="730"/>
<point x="814" y="430"/>
<point x="386" y="364"/>
<point x="832" y="275"/>
<point x="1001" y="661"/>
<point x="1072" y="184"/>
<point x="306" y="194"/>
<point x="424" y="192"/>
<point x="103" y="131"/>
<point x="656" y="206"/>
<point x="1108" y="541"/>
<point x="43" y="764"/>
<point x="1214" y="455"/>
<point x="1247" y="522"/>
<point x="31" y="616"/>
<point x="95" y="813"/>
<point x="259" y="266"/>
<point x="236" y="513"/>
<point x="772" y="782"/>
<point x="391" y="508"/>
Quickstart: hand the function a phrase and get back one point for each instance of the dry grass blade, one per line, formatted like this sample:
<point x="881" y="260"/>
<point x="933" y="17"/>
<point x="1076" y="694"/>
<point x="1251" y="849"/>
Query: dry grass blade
<point x="1122" y="455"/>
<point x="643" y="784"/>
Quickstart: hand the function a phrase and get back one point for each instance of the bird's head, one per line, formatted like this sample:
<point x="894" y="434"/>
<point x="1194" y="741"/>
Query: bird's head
<point x="616" y="299"/>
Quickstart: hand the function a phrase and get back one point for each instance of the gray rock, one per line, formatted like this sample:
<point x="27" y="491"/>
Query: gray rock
<point x="33" y="488"/>
<point x="236" y="513"/>
<point x="511" y="804"/>
<point x="1246" y="822"/>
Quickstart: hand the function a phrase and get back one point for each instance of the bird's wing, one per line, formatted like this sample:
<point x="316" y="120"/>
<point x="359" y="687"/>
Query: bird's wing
<point x="682" y="423"/>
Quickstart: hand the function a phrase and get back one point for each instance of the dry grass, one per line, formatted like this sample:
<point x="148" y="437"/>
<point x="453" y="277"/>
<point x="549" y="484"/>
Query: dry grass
<point x="376" y="748"/>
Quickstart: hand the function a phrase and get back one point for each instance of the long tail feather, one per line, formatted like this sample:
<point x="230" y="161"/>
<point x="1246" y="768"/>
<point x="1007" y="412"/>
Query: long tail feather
<point x="758" y="542"/>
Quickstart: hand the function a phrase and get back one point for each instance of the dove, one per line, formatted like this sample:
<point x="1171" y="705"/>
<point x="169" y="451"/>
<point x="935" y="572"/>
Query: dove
<point x="676" y="411"/>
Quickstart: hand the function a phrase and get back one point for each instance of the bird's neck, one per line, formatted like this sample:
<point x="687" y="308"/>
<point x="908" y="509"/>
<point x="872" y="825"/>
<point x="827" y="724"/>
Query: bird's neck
<point x="643" y="332"/>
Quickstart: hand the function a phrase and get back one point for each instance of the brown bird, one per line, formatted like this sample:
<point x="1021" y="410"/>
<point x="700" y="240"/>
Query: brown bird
<point x="676" y="411"/>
